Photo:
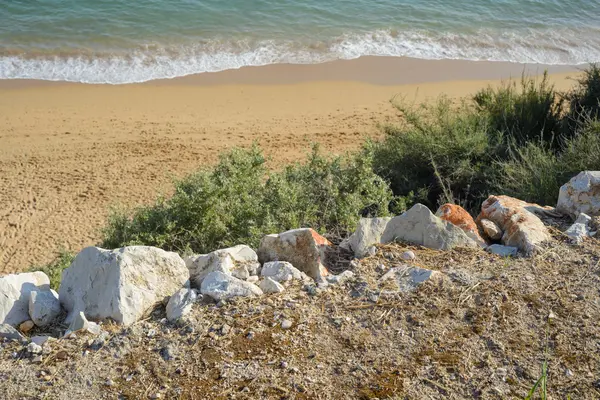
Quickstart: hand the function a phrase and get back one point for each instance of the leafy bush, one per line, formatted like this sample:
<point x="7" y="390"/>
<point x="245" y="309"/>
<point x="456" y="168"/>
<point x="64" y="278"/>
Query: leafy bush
<point x="535" y="173"/>
<point x="584" y="99"/>
<point x="517" y="117"/>
<point x="55" y="268"/>
<point x="439" y="155"/>
<point x="237" y="202"/>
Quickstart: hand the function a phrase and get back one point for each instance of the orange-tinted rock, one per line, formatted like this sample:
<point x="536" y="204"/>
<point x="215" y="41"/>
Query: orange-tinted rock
<point x="458" y="216"/>
<point x="521" y="227"/>
<point x="303" y="248"/>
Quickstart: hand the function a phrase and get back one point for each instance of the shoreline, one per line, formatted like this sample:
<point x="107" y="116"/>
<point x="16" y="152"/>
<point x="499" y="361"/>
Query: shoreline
<point x="375" y="70"/>
<point x="71" y="151"/>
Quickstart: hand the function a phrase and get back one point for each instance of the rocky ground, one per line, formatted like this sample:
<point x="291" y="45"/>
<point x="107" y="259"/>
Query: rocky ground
<point x="482" y="331"/>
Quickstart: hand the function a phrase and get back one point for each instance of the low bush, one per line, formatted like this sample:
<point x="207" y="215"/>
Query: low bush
<point x="584" y="99"/>
<point x="237" y="202"/>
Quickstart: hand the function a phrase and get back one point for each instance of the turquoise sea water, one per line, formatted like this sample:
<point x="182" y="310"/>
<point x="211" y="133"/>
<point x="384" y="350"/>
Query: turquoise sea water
<point x="119" y="41"/>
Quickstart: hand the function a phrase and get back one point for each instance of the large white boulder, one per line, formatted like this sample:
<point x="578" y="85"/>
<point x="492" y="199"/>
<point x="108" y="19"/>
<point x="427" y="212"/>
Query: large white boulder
<point x="240" y="261"/>
<point x="521" y="227"/>
<point x="14" y="295"/>
<point x="580" y="195"/>
<point x="122" y="284"/>
<point x="44" y="307"/>
<point x="180" y="304"/>
<point x="282" y="271"/>
<point x="368" y="232"/>
<point x="220" y="286"/>
<point x="420" y="226"/>
<point x="304" y="248"/>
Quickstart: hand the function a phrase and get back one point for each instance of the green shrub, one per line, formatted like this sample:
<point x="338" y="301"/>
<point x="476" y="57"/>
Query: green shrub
<point x="439" y="155"/>
<point x="584" y="99"/>
<point x="535" y="173"/>
<point x="55" y="268"/>
<point x="519" y="115"/>
<point x="237" y="202"/>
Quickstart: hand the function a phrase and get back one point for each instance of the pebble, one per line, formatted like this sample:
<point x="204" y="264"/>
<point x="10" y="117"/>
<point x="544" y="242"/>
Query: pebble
<point x="37" y="359"/>
<point x="26" y="326"/>
<point x="408" y="255"/>
<point x="167" y="352"/>
<point x="34" y="348"/>
<point x="283" y="364"/>
<point x="156" y="396"/>
<point x="225" y="329"/>
<point x="371" y="251"/>
<point x="109" y="382"/>
<point x="250" y="335"/>
<point x="151" y="333"/>
<point x="286" y="324"/>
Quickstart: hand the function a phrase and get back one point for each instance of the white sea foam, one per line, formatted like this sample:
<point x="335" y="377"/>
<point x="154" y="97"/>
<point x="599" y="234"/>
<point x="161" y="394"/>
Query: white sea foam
<point x="528" y="46"/>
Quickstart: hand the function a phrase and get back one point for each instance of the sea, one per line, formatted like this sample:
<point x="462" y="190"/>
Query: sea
<point x="123" y="41"/>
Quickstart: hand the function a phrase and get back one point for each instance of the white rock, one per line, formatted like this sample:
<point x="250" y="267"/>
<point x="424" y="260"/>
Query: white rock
<point x="409" y="278"/>
<point x="340" y="278"/>
<point x="491" y="229"/>
<point x="286" y="324"/>
<point x="304" y="248"/>
<point x="282" y="271"/>
<point x="240" y="261"/>
<point x="580" y="195"/>
<point x="368" y="232"/>
<point x="502" y="251"/>
<point x="122" y="284"/>
<point x="44" y="307"/>
<point x="180" y="304"/>
<point x="580" y="229"/>
<point x="408" y="255"/>
<point x="253" y="279"/>
<point x="220" y="286"/>
<point x="522" y="228"/>
<point x="269" y="285"/>
<point x="34" y="348"/>
<point x="14" y="295"/>
<point x="9" y="332"/>
<point x="420" y="226"/>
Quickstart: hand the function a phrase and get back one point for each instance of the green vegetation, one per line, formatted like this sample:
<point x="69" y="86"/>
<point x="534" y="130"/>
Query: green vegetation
<point x="237" y="201"/>
<point x="514" y="140"/>
<point x="55" y="268"/>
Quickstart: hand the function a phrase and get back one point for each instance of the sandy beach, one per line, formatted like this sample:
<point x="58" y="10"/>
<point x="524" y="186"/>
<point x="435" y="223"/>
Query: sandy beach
<point x="69" y="152"/>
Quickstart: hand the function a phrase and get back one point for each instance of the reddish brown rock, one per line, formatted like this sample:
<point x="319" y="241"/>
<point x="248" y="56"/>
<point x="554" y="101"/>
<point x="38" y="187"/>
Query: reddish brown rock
<point x="521" y="227"/>
<point x="303" y="248"/>
<point x="458" y="216"/>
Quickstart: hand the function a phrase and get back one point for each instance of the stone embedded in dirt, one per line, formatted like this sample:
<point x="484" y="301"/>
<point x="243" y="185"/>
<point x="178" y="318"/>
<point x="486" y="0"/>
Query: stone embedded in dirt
<point x="503" y="251"/>
<point x="44" y="307"/>
<point x="580" y="229"/>
<point x="180" y="304"/>
<point x="40" y="340"/>
<point x="304" y="248"/>
<point x="7" y="331"/>
<point x="420" y="226"/>
<point x="408" y="278"/>
<point x="341" y="278"/>
<point x="522" y="228"/>
<point x="78" y="323"/>
<point x="240" y="261"/>
<point x="122" y="284"/>
<point x="34" y="348"/>
<point x="460" y="217"/>
<point x="282" y="271"/>
<point x="220" y="286"/>
<point x="269" y="285"/>
<point x="26" y="326"/>
<point x="408" y="255"/>
<point x="14" y="295"/>
<point x="253" y="279"/>
<point x="368" y="232"/>
<point x="491" y="229"/>
<point x="580" y="195"/>
<point x="286" y="324"/>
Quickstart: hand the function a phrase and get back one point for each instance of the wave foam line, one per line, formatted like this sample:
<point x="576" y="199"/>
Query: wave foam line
<point x="551" y="48"/>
